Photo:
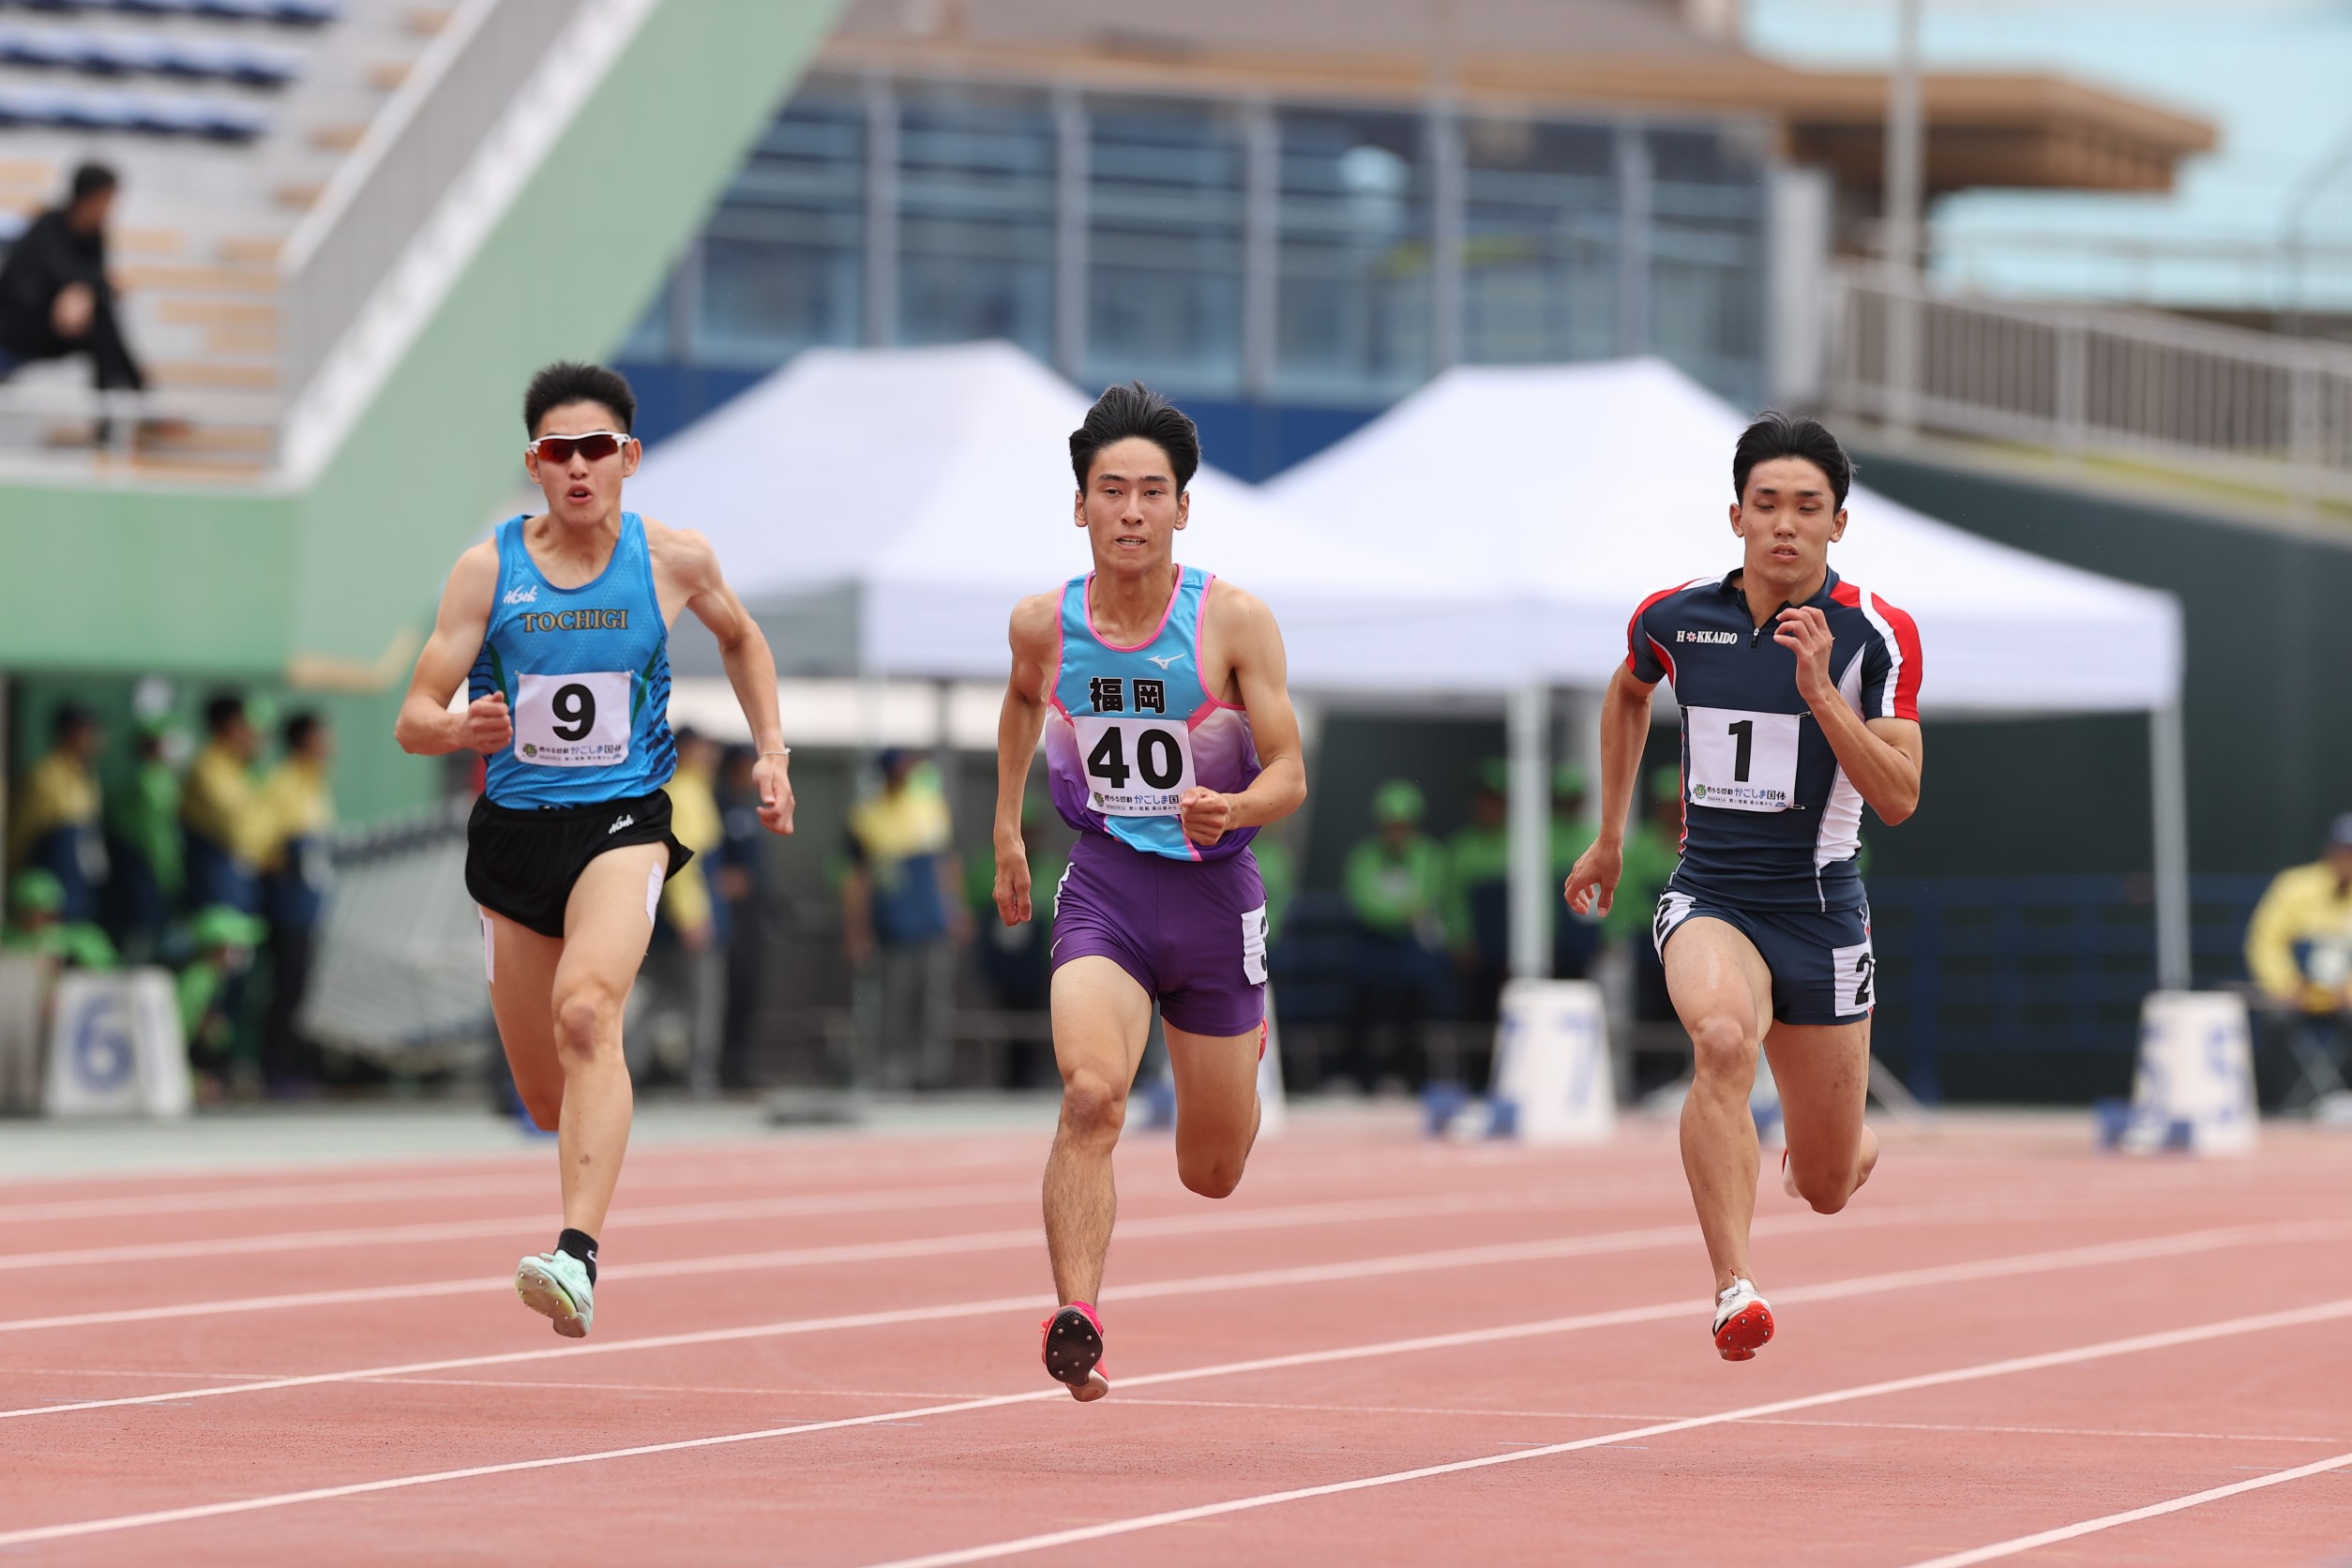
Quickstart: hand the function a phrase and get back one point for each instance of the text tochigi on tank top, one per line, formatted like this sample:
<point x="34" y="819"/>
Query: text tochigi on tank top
<point x="1133" y="729"/>
<point x="586" y="674"/>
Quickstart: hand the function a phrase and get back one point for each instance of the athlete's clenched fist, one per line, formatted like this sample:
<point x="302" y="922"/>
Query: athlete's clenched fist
<point x="486" y="726"/>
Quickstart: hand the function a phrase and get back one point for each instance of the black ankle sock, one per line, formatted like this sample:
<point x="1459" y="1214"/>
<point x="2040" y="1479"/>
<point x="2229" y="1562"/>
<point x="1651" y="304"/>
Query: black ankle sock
<point x="580" y="1246"/>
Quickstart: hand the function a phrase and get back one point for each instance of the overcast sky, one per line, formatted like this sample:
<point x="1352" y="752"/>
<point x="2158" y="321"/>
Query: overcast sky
<point x="2271" y="73"/>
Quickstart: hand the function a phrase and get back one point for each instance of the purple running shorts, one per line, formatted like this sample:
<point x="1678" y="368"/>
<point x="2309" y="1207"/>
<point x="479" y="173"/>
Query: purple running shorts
<point x="1192" y="933"/>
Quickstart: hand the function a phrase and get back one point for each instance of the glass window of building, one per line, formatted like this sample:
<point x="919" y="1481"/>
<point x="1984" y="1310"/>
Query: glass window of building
<point x="1540" y="237"/>
<point x="1353" y="299"/>
<point x="975" y="215"/>
<point x="1166" y="199"/>
<point x="1708" y="258"/>
<point x="780" y="261"/>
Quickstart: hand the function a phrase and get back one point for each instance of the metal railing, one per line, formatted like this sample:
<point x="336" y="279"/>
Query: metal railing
<point x="2029" y="988"/>
<point x="384" y="192"/>
<point x="2270" y="412"/>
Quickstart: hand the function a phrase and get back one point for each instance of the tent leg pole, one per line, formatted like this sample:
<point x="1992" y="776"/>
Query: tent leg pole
<point x="1530" y="824"/>
<point x="2169" y="794"/>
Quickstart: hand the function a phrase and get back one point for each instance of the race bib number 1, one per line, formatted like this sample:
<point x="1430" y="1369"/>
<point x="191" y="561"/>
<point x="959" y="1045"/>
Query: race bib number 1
<point x="1743" y="761"/>
<point x="573" y="721"/>
<point x="1135" y="767"/>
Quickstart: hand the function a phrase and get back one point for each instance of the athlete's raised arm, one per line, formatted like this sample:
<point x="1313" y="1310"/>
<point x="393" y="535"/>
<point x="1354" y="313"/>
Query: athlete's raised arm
<point x="1248" y="636"/>
<point x="1883" y="757"/>
<point x="1017" y="727"/>
<point x="426" y="727"/>
<point x="1625" y="725"/>
<point x="744" y="653"/>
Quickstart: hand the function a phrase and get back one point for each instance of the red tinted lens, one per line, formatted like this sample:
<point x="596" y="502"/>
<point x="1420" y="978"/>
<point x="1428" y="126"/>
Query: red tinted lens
<point x="595" y="449"/>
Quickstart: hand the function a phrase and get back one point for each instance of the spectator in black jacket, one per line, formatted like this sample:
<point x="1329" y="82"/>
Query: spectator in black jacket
<point x="56" y="298"/>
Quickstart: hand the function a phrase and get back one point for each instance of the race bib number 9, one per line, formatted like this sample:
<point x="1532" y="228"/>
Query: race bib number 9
<point x="573" y="721"/>
<point x="1135" y="767"/>
<point x="1741" y="761"/>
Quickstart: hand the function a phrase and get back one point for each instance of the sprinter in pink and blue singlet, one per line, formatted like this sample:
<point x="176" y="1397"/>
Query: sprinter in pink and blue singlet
<point x="1170" y="740"/>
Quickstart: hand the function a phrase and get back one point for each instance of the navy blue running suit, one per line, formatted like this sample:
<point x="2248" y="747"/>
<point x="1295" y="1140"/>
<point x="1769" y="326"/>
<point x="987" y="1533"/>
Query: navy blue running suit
<point x="1771" y="823"/>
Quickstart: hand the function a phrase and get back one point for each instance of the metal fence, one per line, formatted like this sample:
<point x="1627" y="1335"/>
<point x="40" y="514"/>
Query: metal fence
<point x="398" y="977"/>
<point x="384" y="192"/>
<point x="2270" y="412"/>
<point x="2032" y="985"/>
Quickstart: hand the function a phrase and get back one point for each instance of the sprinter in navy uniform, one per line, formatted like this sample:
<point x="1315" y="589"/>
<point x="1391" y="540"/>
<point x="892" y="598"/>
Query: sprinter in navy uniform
<point x="1800" y="699"/>
<point x="558" y="626"/>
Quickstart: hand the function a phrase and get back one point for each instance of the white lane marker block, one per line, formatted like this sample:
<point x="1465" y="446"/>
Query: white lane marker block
<point x="2193" y="1089"/>
<point x="115" y="1047"/>
<point x="1553" y="1082"/>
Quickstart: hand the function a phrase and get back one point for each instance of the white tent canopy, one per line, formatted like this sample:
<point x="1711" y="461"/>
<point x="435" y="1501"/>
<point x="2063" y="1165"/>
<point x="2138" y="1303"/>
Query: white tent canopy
<point x="1590" y="487"/>
<point x="894" y="504"/>
<point x="1587" y="487"/>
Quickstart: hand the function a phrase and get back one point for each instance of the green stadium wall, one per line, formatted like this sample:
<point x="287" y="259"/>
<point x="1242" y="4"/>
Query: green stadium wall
<point x="323" y="595"/>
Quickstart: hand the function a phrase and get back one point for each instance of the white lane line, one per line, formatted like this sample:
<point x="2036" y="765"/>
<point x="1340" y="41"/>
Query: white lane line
<point x="864" y="1200"/>
<point x="1653" y="1415"/>
<point x="715" y="1212"/>
<point x="293" y="1191"/>
<point x="2156" y="1509"/>
<point x="2323" y="1312"/>
<point x="301" y="1185"/>
<point x="2178" y="1245"/>
<point x="1544" y="1198"/>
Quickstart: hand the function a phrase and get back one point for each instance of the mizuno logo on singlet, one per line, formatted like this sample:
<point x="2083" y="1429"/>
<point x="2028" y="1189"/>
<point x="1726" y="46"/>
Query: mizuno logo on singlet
<point x="527" y="594"/>
<point x="1165" y="661"/>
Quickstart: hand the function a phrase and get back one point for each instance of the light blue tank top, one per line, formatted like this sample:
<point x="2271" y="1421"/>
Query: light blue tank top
<point x="586" y="674"/>
<point x="1132" y="729"/>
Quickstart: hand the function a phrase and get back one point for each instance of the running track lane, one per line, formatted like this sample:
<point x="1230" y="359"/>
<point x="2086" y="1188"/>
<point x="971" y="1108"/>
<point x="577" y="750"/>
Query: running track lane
<point x="1652" y="1356"/>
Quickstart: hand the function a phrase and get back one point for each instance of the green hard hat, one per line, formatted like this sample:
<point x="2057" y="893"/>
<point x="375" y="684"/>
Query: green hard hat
<point x="1495" y="774"/>
<point x="220" y="926"/>
<point x="36" y="892"/>
<point x="1568" y="779"/>
<point x="1399" y="800"/>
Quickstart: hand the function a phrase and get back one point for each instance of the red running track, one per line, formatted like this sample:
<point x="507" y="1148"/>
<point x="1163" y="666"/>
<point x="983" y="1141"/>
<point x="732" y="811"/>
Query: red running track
<point x="1380" y="1351"/>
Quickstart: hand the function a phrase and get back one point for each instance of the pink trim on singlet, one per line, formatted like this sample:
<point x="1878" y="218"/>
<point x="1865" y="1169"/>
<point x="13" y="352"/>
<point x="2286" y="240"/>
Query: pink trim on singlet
<point x="1200" y="675"/>
<point x="1061" y="641"/>
<point x="1096" y="632"/>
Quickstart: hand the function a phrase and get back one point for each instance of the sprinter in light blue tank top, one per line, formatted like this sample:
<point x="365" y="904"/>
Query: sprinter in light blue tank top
<point x="585" y="673"/>
<point x="559" y="628"/>
<point x="1169" y="741"/>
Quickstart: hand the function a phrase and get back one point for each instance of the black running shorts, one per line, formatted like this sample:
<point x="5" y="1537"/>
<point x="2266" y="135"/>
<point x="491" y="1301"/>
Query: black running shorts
<point x="521" y="861"/>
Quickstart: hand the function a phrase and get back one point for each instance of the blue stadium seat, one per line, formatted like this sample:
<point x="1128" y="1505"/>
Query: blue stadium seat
<point x="304" y="13"/>
<point x="192" y="61"/>
<point x="153" y="8"/>
<point x="232" y="122"/>
<point x="114" y="54"/>
<point x="263" y="68"/>
<point x="173" y="117"/>
<point x="33" y="49"/>
<point x="97" y="112"/>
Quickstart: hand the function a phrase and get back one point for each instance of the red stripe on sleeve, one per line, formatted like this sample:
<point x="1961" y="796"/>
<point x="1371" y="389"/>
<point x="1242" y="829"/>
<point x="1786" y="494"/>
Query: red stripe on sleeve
<point x="1906" y="645"/>
<point x="1634" y="634"/>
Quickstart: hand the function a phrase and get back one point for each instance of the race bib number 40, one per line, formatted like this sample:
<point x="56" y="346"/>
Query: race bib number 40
<point x="573" y="721"/>
<point x="1743" y="761"/>
<point x="1135" y="767"/>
